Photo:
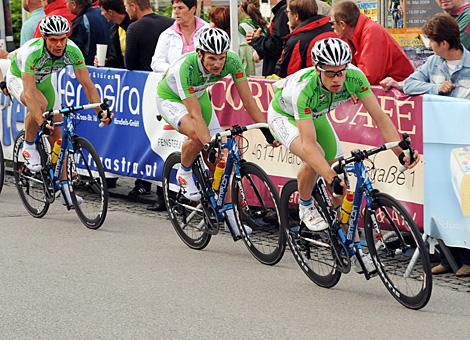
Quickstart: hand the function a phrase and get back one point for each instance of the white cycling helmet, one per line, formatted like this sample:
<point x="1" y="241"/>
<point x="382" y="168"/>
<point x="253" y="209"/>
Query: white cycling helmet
<point x="54" y="25"/>
<point x="213" y="40"/>
<point x="331" y="51"/>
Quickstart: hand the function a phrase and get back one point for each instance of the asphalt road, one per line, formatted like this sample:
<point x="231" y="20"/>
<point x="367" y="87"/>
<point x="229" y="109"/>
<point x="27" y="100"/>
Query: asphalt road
<point x="134" y="279"/>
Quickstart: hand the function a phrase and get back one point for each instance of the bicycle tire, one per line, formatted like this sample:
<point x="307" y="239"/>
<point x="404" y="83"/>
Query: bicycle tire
<point x="30" y="186"/>
<point x="2" y="168"/>
<point x="179" y="208"/>
<point x="394" y="249"/>
<point x="89" y="182"/>
<point x="260" y="211"/>
<point x="321" y="268"/>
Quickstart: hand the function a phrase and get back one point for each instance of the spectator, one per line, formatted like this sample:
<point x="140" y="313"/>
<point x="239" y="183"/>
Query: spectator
<point x="143" y="34"/>
<point x="141" y="40"/>
<point x="114" y="12"/>
<point x="375" y="51"/>
<point x="307" y="27"/>
<point x="88" y="28"/>
<point x="179" y="38"/>
<point x="269" y="46"/>
<point x="445" y="73"/>
<point x="251" y="19"/>
<point x="460" y="11"/>
<point x="35" y="8"/>
<point x="219" y="17"/>
<point x="56" y="7"/>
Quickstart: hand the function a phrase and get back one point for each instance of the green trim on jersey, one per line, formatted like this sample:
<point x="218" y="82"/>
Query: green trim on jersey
<point x="33" y="58"/>
<point x="301" y="95"/>
<point x="187" y="78"/>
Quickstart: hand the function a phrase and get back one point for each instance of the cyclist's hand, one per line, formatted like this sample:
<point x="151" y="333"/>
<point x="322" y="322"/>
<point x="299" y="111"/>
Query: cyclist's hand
<point x="338" y="185"/>
<point x="405" y="160"/>
<point x="269" y="137"/>
<point x="446" y="87"/>
<point x="206" y="139"/>
<point x="106" y="118"/>
<point x="3" y="87"/>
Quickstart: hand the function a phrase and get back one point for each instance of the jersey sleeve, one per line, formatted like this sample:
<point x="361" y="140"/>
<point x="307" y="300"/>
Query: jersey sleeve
<point x="183" y="79"/>
<point x="76" y="56"/>
<point x="235" y="67"/>
<point x="359" y="85"/>
<point x="303" y="106"/>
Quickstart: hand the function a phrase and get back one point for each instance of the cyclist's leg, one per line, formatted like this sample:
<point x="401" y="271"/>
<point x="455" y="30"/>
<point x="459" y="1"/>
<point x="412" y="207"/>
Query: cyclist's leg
<point x="29" y="152"/>
<point x="286" y="132"/>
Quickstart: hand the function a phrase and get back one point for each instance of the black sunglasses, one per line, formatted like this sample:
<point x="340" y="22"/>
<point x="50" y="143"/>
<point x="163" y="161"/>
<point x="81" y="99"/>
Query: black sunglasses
<point x="332" y="74"/>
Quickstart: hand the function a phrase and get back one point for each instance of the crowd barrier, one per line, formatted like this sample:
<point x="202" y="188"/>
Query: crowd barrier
<point x="137" y="144"/>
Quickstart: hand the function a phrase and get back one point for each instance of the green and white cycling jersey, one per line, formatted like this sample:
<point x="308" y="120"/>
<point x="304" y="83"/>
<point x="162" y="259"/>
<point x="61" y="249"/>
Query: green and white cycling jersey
<point x="187" y="78"/>
<point x="33" y="58"/>
<point x="302" y="96"/>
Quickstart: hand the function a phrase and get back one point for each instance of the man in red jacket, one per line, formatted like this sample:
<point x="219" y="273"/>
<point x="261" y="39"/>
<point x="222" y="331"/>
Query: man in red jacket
<point x="376" y="53"/>
<point x="56" y="7"/>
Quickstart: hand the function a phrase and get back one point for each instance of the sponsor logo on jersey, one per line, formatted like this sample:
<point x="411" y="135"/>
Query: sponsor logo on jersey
<point x="308" y="111"/>
<point x="32" y="68"/>
<point x="364" y="89"/>
<point x="192" y="90"/>
<point x="239" y="75"/>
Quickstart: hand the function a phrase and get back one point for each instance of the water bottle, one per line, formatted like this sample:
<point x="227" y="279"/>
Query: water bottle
<point x="55" y="151"/>
<point x="219" y="171"/>
<point x="346" y="208"/>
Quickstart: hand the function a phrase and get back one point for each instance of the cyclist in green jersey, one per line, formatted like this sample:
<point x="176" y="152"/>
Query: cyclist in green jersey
<point x="29" y="80"/>
<point x="183" y="100"/>
<point x="297" y="118"/>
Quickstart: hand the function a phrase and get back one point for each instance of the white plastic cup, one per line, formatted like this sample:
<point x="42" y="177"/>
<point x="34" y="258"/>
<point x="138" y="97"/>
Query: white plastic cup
<point x="101" y="53"/>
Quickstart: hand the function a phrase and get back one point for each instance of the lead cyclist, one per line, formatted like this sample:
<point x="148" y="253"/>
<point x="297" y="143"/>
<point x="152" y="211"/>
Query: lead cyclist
<point x="297" y="116"/>
<point x="28" y="80"/>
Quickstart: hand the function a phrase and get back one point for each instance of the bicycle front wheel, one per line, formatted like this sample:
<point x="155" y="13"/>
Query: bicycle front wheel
<point x="313" y="253"/>
<point x="2" y="168"/>
<point x="87" y="183"/>
<point x="186" y="216"/>
<point x="256" y="203"/>
<point x="30" y="185"/>
<point x="399" y="253"/>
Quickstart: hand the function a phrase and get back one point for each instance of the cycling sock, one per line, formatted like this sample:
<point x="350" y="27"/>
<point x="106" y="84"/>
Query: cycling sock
<point x="306" y="203"/>
<point x="66" y="191"/>
<point x="232" y="221"/>
<point x="29" y="144"/>
<point x="185" y="168"/>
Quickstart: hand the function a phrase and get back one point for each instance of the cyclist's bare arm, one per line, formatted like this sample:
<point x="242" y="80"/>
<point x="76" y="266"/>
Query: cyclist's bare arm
<point x="312" y="154"/>
<point x="91" y="93"/>
<point x="385" y="125"/>
<point x="33" y="98"/>
<point x="249" y="102"/>
<point x="200" y="127"/>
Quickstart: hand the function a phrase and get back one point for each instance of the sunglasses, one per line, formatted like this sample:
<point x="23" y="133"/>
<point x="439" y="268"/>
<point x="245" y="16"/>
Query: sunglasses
<point x="332" y="74"/>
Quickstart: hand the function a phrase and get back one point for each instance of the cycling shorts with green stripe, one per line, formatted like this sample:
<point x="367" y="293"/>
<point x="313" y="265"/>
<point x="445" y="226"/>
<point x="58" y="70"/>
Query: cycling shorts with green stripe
<point x="285" y="130"/>
<point x="172" y="111"/>
<point x="15" y="87"/>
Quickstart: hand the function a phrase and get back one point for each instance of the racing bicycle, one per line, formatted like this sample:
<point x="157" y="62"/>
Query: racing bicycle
<point x="83" y="168"/>
<point x="255" y="200"/>
<point x="393" y="239"/>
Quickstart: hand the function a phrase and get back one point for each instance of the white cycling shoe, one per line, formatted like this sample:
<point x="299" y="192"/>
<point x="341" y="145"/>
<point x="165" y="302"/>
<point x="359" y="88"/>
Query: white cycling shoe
<point x="312" y="219"/>
<point x="187" y="184"/>
<point x="31" y="157"/>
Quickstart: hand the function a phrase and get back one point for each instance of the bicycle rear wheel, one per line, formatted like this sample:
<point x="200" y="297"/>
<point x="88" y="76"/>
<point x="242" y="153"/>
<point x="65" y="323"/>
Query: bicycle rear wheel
<point x="256" y="204"/>
<point x="186" y="216"/>
<point x="87" y="182"/>
<point x="312" y="251"/>
<point x="2" y="168"/>
<point x="30" y="185"/>
<point x="399" y="254"/>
